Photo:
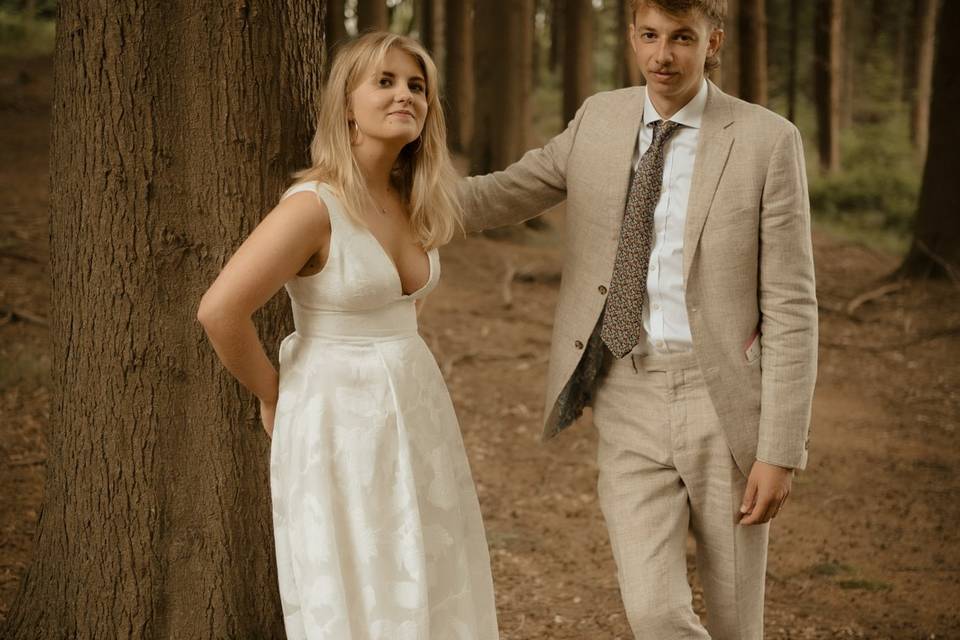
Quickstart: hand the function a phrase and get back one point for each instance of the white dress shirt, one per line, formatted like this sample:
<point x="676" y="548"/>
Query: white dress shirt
<point x="666" y="326"/>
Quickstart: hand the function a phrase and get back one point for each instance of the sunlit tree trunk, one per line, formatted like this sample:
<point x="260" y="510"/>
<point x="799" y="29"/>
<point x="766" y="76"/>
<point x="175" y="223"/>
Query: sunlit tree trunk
<point x="926" y="29"/>
<point x="827" y="69"/>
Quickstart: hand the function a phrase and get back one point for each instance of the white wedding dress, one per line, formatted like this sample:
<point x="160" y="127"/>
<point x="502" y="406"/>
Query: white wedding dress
<point x="376" y="521"/>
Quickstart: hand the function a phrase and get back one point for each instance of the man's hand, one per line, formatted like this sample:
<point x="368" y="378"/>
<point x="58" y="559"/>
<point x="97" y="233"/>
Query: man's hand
<point x="767" y="489"/>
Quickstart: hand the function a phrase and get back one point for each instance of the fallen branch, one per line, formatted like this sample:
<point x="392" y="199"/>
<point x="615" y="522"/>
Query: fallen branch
<point x="506" y="291"/>
<point x="926" y="337"/>
<point x="8" y="313"/>
<point x="873" y="294"/>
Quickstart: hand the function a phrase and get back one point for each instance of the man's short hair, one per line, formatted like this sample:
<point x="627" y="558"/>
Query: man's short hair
<point x="715" y="11"/>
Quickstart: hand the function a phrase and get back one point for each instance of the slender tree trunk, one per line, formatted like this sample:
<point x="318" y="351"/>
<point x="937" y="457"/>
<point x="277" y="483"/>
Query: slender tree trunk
<point x="427" y="20"/>
<point x="168" y="145"/>
<point x="335" y="29"/>
<point x="502" y="69"/>
<point x="729" y="72"/>
<point x="936" y="246"/>
<point x="556" y="33"/>
<point x="630" y="75"/>
<point x="372" y="15"/>
<point x="793" y="63"/>
<point x="753" y="51"/>
<point x="459" y="73"/>
<point x="29" y="9"/>
<point x="849" y="55"/>
<point x="920" y="120"/>
<point x="578" y="56"/>
<point x="827" y="68"/>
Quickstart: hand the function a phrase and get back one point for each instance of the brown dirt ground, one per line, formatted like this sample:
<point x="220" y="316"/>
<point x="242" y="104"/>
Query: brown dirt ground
<point x="867" y="548"/>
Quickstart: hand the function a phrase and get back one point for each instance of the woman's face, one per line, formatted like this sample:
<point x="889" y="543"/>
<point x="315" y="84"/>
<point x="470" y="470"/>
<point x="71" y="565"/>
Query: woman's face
<point x="391" y="102"/>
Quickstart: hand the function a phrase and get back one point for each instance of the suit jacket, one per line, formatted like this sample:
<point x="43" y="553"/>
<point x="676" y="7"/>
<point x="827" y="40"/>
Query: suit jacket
<point x="747" y="257"/>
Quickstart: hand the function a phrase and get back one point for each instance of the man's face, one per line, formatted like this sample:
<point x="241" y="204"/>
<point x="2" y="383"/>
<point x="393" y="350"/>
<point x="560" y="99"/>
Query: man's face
<point x="671" y="51"/>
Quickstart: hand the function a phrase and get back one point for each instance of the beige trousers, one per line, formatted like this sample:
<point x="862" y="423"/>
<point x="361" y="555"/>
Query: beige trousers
<point x="665" y="469"/>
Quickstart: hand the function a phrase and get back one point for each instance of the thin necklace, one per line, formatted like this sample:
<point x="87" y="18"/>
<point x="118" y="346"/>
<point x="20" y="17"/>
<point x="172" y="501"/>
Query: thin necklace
<point x="383" y="209"/>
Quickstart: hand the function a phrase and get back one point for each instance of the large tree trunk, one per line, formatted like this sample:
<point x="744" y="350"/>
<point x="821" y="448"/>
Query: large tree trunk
<point x="168" y="145"/>
<point x="372" y="15"/>
<point x="936" y="246"/>
<point x="753" y="51"/>
<point x="728" y="75"/>
<point x="827" y="69"/>
<point x="577" y="56"/>
<point x="503" y="73"/>
<point x="335" y="30"/>
<point x="459" y="73"/>
<point x="920" y="120"/>
<point x="630" y="75"/>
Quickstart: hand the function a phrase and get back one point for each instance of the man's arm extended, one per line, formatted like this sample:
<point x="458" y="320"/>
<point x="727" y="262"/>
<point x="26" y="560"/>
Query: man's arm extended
<point x="528" y="187"/>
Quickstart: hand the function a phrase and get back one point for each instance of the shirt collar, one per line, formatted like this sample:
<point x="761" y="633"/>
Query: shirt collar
<point x="689" y="116"/>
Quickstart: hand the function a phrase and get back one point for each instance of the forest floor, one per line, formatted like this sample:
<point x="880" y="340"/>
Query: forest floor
<point x="867" y="547"/>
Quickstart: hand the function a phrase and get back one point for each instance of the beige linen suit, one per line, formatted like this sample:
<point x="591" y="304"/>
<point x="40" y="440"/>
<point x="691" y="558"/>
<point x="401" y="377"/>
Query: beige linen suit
<point x="750" y="297"/>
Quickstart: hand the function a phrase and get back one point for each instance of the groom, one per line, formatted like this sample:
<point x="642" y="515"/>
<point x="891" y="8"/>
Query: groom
<point x="687" y="317"/>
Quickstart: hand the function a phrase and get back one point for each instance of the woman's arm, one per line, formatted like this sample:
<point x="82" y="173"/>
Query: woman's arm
<point x="277" y="249"/>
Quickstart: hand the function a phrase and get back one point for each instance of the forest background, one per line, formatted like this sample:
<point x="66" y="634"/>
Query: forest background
<point x="132" y="471"/>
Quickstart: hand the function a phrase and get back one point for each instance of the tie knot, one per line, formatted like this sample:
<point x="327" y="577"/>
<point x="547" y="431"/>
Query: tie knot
<point x="662" y="130"/>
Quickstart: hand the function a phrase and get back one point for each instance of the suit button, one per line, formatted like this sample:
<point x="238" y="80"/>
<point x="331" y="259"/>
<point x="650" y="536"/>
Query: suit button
<point x="602" y="289"/>
<point x="578" y="344"/>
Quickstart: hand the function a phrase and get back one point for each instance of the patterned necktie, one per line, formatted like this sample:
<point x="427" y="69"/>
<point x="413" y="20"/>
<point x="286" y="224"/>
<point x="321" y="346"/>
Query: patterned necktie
<point x="623" y="316"/>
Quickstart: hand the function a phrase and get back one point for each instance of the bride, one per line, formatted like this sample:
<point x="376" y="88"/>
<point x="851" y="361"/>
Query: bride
<point x="376" y="522"/>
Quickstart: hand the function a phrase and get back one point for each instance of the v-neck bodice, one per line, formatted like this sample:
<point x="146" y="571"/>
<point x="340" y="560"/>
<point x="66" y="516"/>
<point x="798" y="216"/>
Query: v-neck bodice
<point x="358" y="293"/>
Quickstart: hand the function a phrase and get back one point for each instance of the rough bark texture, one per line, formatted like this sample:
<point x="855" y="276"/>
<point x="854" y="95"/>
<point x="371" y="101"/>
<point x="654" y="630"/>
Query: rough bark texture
<point x="753" y="51"/>
<point x="577" y="56"/>
<point x="926" y="29"/>
<point x="936" y="247"/>
<point x="827" y="68"/>
<point x="503" y="73"/>
<point x="459" y="73"/>
<point x="335" y="28"/>
<point x="372" y="15"/>
<point x="175" y="126"/>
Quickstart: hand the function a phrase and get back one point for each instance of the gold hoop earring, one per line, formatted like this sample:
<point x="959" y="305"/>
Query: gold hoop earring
<point x="354" y="128"/>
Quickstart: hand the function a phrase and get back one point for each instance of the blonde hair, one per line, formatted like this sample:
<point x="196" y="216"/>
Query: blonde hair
<point x="423" y="173"/>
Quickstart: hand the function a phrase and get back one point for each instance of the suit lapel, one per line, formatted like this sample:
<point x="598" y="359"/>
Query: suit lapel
<point x="619" y="155"/>
<point x="713" y="149"/>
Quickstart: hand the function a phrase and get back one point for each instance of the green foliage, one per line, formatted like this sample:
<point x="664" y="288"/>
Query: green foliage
<point x="874" y="197"/>
<point x="22" y="37"/>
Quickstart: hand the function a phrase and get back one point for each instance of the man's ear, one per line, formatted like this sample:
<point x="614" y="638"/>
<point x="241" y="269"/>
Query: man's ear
<point x="716" y="42"/>
<point x="632" y="36"/>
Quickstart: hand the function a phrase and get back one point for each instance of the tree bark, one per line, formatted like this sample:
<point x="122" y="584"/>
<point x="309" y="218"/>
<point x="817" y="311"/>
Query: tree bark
<point x="936" y="246"/>
<point x="630" y="75"/>
<point x="334" y="27"/>
<point x="577" y="56"/>
<point x="459" y="73"/>
<point x="827" y="69"/>
<point x="728" y="75"/>
<point x="168" y="145"/>
<point x="372" y="15"/>
<point x="503" y="74"/>
<point x="793" y="63"/>
<point x="920" y="115"/>
<point x="753" y="51"/>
